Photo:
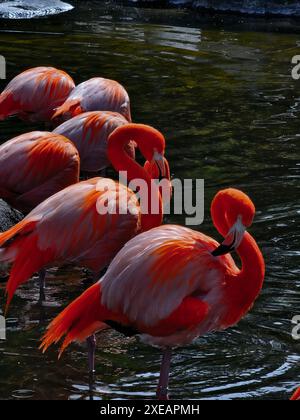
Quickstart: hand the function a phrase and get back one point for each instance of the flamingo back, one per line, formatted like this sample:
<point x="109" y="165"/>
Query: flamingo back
<point x="97" y="94"/>
<point x="35" y="166"/>
<point x="36" y="93"/>
<point x="89" y="132"/>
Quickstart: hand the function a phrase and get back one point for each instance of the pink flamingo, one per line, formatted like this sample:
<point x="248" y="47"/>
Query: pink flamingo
<point x="34" y="94"/>
<point x="70" y="227"/>
<point x="97" y="94"/>
<point x="171" y="285"/>
<point x="35" y="166"/>
<point x="89" y="132"/>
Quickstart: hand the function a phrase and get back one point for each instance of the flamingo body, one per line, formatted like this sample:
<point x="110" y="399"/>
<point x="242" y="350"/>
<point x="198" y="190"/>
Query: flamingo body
<point x="35" y="166"/>
<point x="97" y="94"/>
<point x="34" y="94"/>
<point x="89" y="132"/>
<point x="67" y="228"/>
<point x="167" y="286"/>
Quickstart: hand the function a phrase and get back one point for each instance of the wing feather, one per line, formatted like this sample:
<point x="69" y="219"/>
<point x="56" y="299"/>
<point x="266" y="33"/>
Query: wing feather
<point x="154" y="272"/>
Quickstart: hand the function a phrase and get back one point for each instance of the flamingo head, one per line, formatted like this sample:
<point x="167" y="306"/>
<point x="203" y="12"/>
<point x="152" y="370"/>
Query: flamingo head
<point x="239" y="214"/>
<point x="152" y="145"/>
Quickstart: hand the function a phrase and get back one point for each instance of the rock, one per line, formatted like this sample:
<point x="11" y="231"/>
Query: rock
<point x="27" y="9"/>
<point x="250" y="7"/>
<point x="257" y="7"/>
<point x="8" y="216"/>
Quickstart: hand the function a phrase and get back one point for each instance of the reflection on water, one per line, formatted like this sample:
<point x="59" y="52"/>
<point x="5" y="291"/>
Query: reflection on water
<point x="230" y="110"/>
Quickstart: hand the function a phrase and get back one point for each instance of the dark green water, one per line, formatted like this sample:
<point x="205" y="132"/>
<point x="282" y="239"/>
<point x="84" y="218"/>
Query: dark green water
<point x="222" y="93"/>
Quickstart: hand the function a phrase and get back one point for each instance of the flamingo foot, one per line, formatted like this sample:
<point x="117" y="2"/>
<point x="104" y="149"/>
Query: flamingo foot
<point x="91" y="346"/>
<point x="42" y="277"/>
<point x="163" y="385"/>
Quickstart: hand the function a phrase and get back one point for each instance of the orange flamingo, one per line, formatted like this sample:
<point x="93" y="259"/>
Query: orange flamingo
<point x="89" y="132"/>
<point x="97" y="94"/>
<point x="34" y="94"/>
<point x="172" y="284"/>
<point x="35" y="166"/>
<point x="71" y="227"/>
<point x="296" y="395"/>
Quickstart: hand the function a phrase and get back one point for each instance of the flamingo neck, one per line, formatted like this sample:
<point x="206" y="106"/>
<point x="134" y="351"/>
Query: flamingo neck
<point x="253" y="266"/>
<point x="122" y="162"/>
<point x="251" y="276"/>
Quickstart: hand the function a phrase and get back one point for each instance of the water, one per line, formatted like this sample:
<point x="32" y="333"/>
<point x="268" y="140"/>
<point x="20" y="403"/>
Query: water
<point x="222" y="93"/>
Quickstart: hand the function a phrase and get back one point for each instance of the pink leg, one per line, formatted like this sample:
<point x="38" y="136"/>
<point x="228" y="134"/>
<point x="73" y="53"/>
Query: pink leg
<point x="91" y="345"/>
<point x="163" y="385"/>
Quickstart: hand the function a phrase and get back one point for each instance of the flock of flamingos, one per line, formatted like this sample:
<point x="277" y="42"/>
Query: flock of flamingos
<point x="166" y="284"/>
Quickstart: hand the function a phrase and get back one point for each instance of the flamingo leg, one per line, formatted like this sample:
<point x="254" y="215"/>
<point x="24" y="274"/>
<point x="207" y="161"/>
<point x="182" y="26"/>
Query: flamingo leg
<point x="91" y="346"/>
<point x="163" y="385"/>
<point x="42" y="277"/>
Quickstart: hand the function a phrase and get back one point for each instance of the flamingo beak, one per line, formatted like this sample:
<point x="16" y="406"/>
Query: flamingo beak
<point x="160" y="162"/>
<point x="233" y="240"/>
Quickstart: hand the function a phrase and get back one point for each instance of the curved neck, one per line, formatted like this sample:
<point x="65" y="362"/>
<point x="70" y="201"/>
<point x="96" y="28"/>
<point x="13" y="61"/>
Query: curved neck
<point x="151" y="213"/>
<point x="253" y="265"/>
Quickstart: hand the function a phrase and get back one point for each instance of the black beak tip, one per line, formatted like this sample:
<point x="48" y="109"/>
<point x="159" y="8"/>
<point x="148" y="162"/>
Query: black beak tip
<point x="222" y="250"/>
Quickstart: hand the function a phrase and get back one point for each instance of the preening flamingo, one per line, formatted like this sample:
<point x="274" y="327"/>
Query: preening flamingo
<point x="296" y="395"/>
<point x="171" y="285"/>
<point x="89" y="132"/>
<point x="35" y="166"/>
<point x="71" y="226"/>
<point x="97" y="94"/>
<point x="34" y="94"/>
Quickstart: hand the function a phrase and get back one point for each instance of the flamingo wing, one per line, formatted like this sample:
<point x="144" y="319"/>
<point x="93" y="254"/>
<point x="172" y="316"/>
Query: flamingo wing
<point x="156" y="272"/>
<point x="97" y="94"/>
<point x="89" y="132"/>
<point x="35" y="93"/>
<point x="35" y="166"/>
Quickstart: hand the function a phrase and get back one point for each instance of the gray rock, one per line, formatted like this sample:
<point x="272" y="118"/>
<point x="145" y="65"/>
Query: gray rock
<point x="27" y="9"/>
<point x="8" y="216"/>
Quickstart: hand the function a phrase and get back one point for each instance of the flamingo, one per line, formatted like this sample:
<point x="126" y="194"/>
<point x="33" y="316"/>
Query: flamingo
<point x="97" y="94"/>
<point x="35" y="166"/>
<point x="70" y="226"/>
<point x="296" y="395"/>
<point x="171" y="285"/>
<point x="89" y="132"/>
<point x="34" y="94"/>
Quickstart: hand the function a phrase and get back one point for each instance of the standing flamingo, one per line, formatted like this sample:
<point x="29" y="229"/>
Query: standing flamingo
<point x="296" y="395"/>
<point x="34" y="94"/>
<point x="97" y="94"/>
<point x="89" y="132"/>
<point x="71" y="226"/>
<point x="35" y="166"/>
<point x="172" y="284"/>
